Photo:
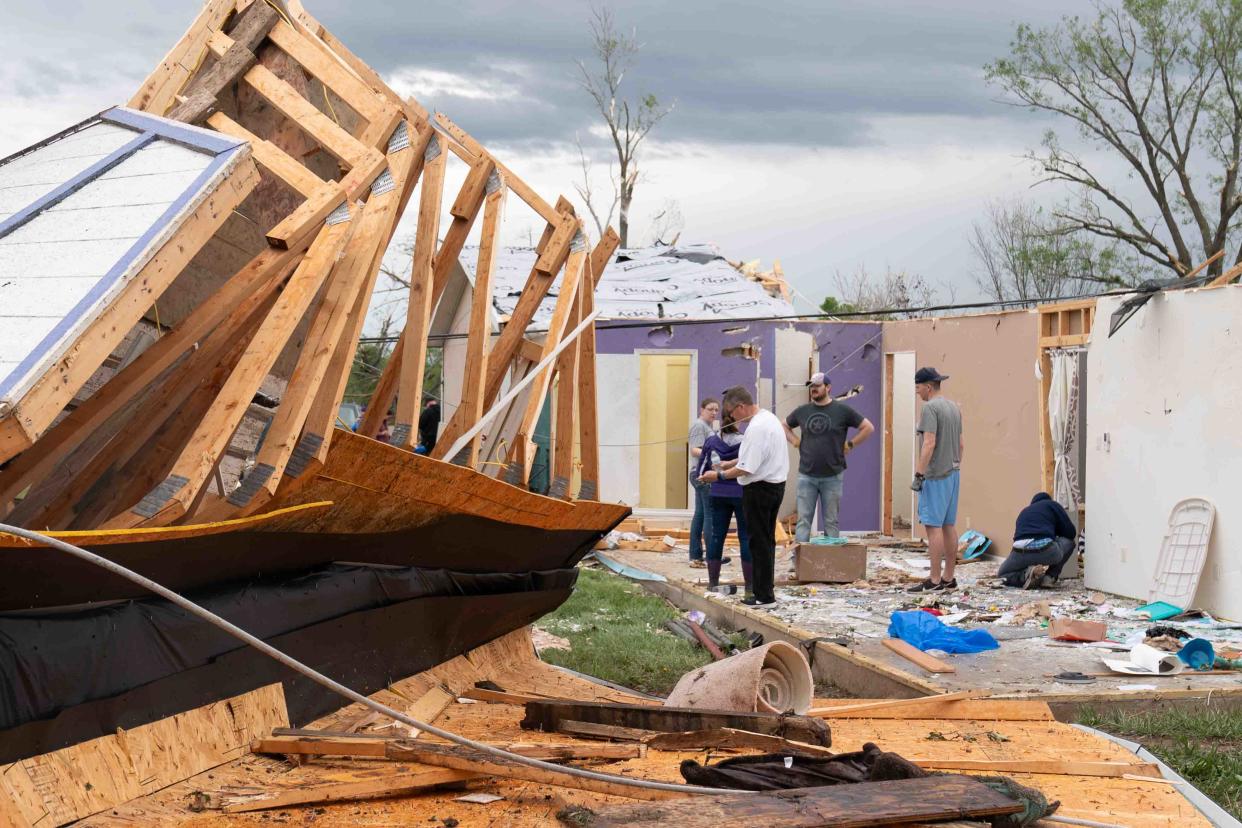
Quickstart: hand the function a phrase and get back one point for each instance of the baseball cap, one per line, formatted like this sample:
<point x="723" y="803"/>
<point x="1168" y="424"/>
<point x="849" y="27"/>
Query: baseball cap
<point x="929" y="375"/>
<point x="818" y="378"/>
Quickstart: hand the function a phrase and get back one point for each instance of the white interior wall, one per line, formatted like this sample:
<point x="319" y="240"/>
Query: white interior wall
<point x="796" y="359"/>
<point x="1162" y="425"/>
<point x="617" y="406"/>
<point x="903" y="443"/>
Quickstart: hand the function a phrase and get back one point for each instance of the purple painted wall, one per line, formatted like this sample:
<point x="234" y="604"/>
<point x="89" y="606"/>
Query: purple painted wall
<point x="848" y="352"/>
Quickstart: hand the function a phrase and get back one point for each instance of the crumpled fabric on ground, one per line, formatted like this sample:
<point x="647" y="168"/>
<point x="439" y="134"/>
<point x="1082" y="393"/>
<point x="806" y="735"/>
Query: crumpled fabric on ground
<point x="927" y="632"/>
<point x="769" y="772"/>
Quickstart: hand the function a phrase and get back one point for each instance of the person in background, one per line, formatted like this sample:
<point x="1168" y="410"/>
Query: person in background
<point x="761" y="467"/>
<point x="822" y="446"/>
<point x="700" y="525"/>
<point x="724" y="502"/>
<point x="937" y="477"/>
<point x="429" y="423"/>
<point x="1043" y="539"/>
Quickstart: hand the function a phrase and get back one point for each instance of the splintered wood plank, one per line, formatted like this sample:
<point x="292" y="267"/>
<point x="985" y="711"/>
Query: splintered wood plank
<point x="726" y="737"/>
<point x="34" y="465"/>
<point x="911" y="653"/>
<point x="45" y="400"/>
<point x="169" y="500"/>
<point x="271" y="157"/>
<point x="339" y="143"/>
<point x="931" y="799"/>
<point x="159" y="90"/>
<point x="475" y="371"/>
<point x="251" y="28"/>
<point x="84" y="779"/>
<point x="566" y="303"/>
<point x="871" y="707"/>
<point x="379" y="782"/>
<point x="567" y="405"/>
<point x="418" y="317"/>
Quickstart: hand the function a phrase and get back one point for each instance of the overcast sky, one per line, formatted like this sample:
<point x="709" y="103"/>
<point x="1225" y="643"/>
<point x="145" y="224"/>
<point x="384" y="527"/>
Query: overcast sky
<point x="830" y="135"/>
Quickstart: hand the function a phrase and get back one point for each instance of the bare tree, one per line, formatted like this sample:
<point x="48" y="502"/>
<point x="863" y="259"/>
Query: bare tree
<point x="1024" y="253"/>
<point x="1158" y="85"/>
<point x="628" y="124"/>
<point x="666" y="225"/>
<point x="897" y="293"/>
<point x="594" y="202"/>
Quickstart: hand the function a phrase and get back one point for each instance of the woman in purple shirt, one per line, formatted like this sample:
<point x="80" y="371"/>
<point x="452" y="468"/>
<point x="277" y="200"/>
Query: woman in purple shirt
<point x="725" y="500"/>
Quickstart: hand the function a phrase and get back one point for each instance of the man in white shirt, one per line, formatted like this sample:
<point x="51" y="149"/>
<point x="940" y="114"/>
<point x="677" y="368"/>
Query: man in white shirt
<point x="761" y="467"/>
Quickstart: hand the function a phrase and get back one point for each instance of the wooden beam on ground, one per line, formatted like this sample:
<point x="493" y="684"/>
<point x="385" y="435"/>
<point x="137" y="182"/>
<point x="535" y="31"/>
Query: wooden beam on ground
<point x="566" y="303"/>
<point x="603" y="731"/>
<point x="904" y="704"/>
<point x="395" y="748"/>
<point x="251" y="28"/>
<point x="476" y="761"/>
<point x="384" y="784"/>
<point x="55" y="389"/>
<point x="499" y="696"/>
<point x="547" y="716"/>
<point x="34" y="465"/>
<point x="913" y="654"/>
<point x="169" y="500"/>
<point x="1112" y="770"/>
<point x="159" y="91"/>
<point x="930" y="799"/>
<point x="474" y="379"/>
<point x="418" y="316"/>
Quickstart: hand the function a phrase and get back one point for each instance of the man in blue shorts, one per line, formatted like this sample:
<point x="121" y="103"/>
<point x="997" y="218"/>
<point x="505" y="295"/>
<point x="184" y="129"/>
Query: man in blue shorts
<point x="936" y="477"/>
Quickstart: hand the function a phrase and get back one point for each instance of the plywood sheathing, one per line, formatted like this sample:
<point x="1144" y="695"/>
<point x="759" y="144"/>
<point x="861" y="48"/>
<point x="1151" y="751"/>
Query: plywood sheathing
<point x="511" y="663"/>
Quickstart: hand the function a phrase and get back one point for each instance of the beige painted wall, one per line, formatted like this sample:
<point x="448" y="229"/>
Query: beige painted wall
<point x="990" y="360"/>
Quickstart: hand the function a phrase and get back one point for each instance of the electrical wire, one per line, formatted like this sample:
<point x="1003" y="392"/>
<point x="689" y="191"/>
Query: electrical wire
<point x="335" y="686"/>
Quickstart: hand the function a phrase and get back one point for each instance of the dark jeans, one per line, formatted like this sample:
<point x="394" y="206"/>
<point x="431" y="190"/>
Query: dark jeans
<point x="723" y="510"/>
<point x="1053" y="556"/>
<point x="701" y="523"/>
<point x="760" y="504"/>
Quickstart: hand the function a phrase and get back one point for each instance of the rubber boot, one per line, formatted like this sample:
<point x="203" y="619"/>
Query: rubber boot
<point x="713" y="573"/>
<point x="748" y="571"/>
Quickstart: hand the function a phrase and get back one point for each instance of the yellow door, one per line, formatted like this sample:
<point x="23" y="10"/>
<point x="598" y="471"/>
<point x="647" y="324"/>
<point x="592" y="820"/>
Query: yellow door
<point x="663" y="427"/>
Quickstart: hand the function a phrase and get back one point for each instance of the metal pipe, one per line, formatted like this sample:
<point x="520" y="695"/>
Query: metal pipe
<point x="335" y="686"/>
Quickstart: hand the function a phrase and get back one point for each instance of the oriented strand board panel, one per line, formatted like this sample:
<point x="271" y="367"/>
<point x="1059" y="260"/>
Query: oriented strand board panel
<point x="56" y="788"/>
<point x="80" y="215"/>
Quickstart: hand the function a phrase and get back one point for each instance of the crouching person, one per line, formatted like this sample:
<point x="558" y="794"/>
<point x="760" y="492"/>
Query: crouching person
<point x="1043" y="541"/>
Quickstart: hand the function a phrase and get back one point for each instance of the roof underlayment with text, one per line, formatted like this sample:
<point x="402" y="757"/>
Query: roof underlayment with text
<point x="687" y="282"/>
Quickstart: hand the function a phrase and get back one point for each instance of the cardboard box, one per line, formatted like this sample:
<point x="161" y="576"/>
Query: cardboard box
<point x="831" y="564"/>
<point x="1068" y="629"/>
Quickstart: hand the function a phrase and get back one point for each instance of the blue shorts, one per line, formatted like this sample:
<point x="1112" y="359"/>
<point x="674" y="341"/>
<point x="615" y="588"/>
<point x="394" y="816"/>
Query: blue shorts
<point x="938" y="500"/>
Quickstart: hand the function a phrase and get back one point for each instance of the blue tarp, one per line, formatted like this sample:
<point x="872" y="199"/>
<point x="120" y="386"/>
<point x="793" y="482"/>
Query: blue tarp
<point x="927" y="632"/>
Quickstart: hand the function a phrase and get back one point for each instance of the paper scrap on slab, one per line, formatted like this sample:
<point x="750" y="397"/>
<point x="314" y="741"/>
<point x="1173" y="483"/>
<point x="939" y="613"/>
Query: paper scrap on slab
<point x="479" y="798"/>
<point x="1147" y="661"/>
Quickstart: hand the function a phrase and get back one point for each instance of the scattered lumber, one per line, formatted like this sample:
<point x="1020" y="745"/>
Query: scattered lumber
<point x="387" y="747"/>
<point x="911" y="653"/>
<point x="383" y="784"/>
<point x="902" y="703"/>
<point x="931" y="799"/>
<point x="1115" y="770"/>
<point x="601" y="731"/>
<point x="549" y="716"/>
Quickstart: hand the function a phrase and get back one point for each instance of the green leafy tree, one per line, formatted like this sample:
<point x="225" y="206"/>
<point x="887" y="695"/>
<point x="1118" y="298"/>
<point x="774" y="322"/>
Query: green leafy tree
<point x="1156" y="84"/>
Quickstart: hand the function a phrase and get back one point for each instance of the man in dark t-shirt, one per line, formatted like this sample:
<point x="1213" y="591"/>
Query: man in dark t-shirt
<point x="429" y="424"/>
<point x="823" y="443"/>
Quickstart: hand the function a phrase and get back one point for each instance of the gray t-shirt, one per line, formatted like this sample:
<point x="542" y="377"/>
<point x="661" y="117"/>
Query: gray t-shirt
<point x="699" y="432"/>
<point x="821" y="449"/>
<point x="944" y="419"/>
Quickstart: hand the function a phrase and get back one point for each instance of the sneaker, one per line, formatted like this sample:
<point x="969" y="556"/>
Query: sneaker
<point x="725" y="561"/>
<point x="752" y="601"/>
<point x="927" y="586"/>
<point x="1032" y="576"/>
<point x="695" y="563"/>
<point x="1047" y="582"/>
<point x="949" y="585"/>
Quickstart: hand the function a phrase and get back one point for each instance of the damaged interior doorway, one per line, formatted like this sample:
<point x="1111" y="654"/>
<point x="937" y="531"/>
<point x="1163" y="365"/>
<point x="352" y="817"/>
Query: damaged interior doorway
<point x="898" y="510"/>
<point x="665" y="412"/>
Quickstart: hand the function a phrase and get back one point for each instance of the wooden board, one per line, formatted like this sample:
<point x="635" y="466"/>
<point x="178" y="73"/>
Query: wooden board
<point x="917" y="656"/>
<point x="841" y="806"/>
<point x="87" y="778"/>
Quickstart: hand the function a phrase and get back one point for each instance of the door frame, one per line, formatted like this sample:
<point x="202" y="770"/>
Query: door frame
<point x="692" y="403"/>
<point x="886" y="463"/>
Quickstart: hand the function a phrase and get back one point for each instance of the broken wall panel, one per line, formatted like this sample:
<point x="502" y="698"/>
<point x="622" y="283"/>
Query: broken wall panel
<point x="990" y="361"/>
<point x="1162" y="426"/>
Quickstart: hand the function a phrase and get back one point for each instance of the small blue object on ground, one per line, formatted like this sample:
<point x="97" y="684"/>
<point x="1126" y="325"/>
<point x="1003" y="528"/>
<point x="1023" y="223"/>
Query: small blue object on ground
<point x="1198" y="654"/>
<point x="927" y="632"/>
<point x="1160" y="610"/>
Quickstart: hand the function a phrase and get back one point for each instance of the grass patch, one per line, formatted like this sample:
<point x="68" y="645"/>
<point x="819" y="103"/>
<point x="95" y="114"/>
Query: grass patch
<point x="616" y="632"/>
<point x="1204" y="746"/>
